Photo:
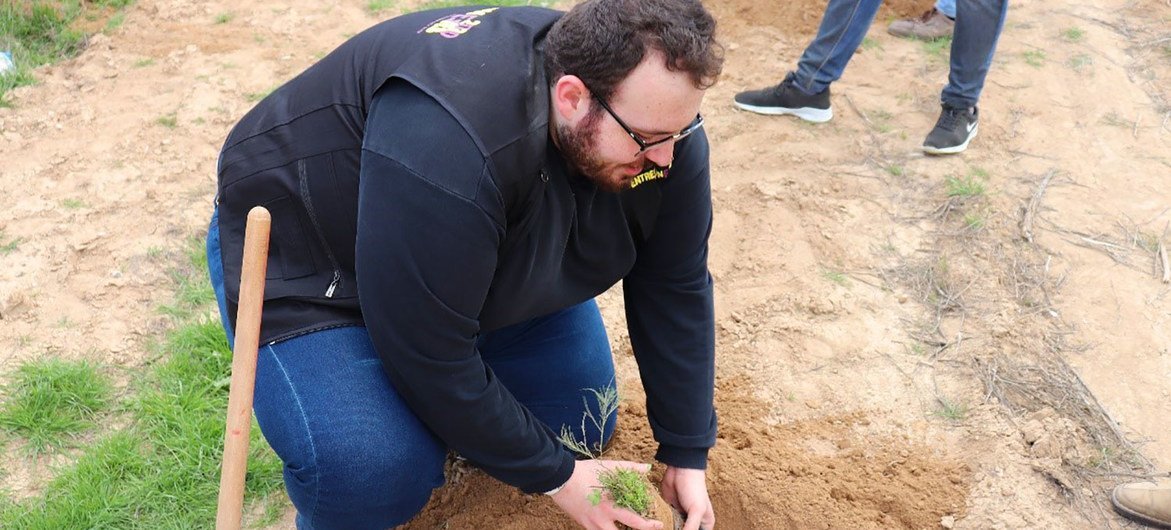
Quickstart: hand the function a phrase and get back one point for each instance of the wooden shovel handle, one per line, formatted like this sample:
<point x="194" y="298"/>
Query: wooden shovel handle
<point x="231" y="499"/>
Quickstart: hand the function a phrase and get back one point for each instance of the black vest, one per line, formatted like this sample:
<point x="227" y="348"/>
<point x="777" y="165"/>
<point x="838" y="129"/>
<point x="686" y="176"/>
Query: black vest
<point x="297" y="152"/>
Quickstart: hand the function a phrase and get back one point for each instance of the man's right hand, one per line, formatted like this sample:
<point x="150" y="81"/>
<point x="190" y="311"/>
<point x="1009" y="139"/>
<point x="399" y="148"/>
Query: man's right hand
<point x="574" y="498"/>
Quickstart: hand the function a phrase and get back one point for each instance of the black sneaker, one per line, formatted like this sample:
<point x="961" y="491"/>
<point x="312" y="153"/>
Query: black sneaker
<point x="955" y="128"/>
<point x="786" y="98"/>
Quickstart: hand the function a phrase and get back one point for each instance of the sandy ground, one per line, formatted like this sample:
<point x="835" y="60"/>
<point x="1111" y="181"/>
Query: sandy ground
<point x="857" y="302"/>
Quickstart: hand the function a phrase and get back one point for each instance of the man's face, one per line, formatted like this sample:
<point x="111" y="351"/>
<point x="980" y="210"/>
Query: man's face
<point x="654" y="103"/>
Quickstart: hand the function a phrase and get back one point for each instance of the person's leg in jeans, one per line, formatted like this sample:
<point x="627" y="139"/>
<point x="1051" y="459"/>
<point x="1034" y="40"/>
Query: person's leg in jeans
<point x="843" y="26"/>
<point x="553" y="364"/>
<point x="805" y="92"/>
<point x="355" y="455"/>
<point x="978" y="27"/>
<point x="947" y="7"/>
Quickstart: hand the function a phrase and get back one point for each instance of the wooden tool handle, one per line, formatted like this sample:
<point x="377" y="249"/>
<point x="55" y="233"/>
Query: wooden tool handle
<point x="231" y="500"/>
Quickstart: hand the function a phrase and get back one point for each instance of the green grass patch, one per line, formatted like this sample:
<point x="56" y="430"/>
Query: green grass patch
<point x="837" y="277"/>
<point x="50" y="402"/>
<point x="969" y="186"/>
<point x="951" y="410"/>
<point x="193" y="292"/>
<point x="257" y="96"/>
<point x="162" y="470"/>
<point x="224" y="18"/>
<point x="895" y="170"/>
<point x="8" y="246"/>
<point x="881" y="120"/>
<point x="1034" y="58"/>
<point x="115" y="22"/>
<point x="377" y="6"/>
<point x="143" y="63"/>
<point x="72" y="204"/>
<point x="1080" y="62"/>
<point x="169" y="121"/>
<point x="39" y="32"/>
<point x="974" y="221"/>
<point x="1073" y="34"/>
<point x="871" y="44"/>
<point x="438" y="4"/>
<point x="939" y="49"/>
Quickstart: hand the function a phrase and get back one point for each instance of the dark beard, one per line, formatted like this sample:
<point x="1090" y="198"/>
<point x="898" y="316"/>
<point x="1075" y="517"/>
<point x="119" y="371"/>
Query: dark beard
<point x="577" y="146"/>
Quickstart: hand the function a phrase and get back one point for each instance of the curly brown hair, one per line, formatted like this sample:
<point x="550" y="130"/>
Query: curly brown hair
<point x="601" y="41"/>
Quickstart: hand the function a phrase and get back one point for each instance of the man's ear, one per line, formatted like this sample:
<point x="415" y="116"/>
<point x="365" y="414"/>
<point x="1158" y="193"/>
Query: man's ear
<point x="571" y="99"/>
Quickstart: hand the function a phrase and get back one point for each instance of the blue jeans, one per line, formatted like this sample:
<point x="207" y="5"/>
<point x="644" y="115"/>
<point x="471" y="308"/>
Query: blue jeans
<point x="844" y="25"/>
<point x="947" y="7"/>
<point x="355" y="456"/>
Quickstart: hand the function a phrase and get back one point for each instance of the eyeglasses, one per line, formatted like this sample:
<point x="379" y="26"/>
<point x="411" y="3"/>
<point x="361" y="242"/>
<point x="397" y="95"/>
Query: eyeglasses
<point x="644" y="145"/>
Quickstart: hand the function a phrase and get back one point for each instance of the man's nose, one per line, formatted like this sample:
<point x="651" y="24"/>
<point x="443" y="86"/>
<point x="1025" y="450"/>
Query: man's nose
<point x="661" y="154"/>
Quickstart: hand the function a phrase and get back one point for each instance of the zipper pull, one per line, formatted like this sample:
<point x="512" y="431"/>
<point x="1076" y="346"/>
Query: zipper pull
<point x="337" y="280"/>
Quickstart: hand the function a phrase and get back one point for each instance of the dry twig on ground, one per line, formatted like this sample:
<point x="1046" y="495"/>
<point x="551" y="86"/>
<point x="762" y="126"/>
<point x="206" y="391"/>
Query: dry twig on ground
<point x="1163" y="262"/>
<point x="1034" y="204"/>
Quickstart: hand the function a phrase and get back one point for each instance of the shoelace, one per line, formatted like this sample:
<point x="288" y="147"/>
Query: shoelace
<point x="950" y="118"/>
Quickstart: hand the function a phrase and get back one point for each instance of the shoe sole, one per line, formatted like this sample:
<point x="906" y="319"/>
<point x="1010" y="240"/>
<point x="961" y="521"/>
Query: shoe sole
<point x="1135" y="516"/>
<point x="913" y="36"/>
<point x="810" y="114"/>
<point x="932" y="150"/>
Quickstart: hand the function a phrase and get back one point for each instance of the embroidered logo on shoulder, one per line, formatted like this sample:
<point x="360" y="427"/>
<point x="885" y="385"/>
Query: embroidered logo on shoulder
<point x="649" y="175"/>
<point x="452" y="26"/>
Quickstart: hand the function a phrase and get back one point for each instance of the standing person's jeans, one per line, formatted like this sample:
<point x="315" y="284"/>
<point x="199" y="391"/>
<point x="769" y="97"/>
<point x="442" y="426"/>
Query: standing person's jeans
<point x="947" y="7"/>
<point x="355" y="456"/>
<point x="844" y="25"/>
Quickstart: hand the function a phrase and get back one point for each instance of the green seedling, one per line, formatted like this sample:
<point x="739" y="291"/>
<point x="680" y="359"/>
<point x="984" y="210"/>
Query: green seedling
<point x="607" y="401"/>
<point x="627" y="488"/>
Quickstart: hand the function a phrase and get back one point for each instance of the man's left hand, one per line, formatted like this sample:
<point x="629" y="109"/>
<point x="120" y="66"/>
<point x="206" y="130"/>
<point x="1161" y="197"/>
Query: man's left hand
<point x="686" y="490"/>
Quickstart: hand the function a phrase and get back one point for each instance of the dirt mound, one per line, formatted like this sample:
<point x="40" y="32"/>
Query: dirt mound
<point x="832" y="472"/>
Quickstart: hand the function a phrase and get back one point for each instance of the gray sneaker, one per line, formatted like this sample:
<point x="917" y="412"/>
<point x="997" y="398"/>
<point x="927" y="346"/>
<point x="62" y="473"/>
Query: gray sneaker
<point x="928" y="26"/>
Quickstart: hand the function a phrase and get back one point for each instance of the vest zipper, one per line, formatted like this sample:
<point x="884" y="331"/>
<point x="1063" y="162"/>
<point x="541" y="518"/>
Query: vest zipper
<point x="303" y="177"/>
